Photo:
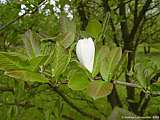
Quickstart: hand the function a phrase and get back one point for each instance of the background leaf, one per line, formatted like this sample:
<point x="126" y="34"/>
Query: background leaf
<point x="94" y="28"/>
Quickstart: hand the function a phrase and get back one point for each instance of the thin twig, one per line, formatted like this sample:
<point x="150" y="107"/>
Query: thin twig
<point x="127" y="84"/>
<point x="20" y="17"/>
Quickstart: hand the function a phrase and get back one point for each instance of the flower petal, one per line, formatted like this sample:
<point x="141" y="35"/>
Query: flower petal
<point x="85" y="51"/>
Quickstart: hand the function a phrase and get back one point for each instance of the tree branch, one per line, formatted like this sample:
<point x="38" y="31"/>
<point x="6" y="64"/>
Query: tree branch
<point x="108" y="9"/>
<point x="20" y="17"/>
<point x="135" y="10"/>
<point x="6" y="89"/>
<point x="138" y="20"/>
<point x="71" y="104"/>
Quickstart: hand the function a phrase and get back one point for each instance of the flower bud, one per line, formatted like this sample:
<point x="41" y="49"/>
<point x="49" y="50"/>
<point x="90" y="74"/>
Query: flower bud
<point x="85" y="51"/>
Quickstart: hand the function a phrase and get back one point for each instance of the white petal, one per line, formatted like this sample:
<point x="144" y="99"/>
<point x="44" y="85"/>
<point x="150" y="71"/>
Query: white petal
<point x="85" y="51"/>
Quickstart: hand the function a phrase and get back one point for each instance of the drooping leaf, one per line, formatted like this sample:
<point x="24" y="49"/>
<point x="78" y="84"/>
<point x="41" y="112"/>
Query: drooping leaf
<point x="94" y="28"/>
<point x="109" y="64"/>
<point x="99" y="88"/>
<point x="26" y="76"/>
<point x="10" y="60"/>
<point x="61" y="60"/>
<point x="78" y="79"/>
<point x="31" y="44"/>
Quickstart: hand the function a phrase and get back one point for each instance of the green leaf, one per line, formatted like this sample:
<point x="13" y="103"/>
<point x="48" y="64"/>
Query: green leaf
<point x="66" y="25"/>
<point x="99" y="88"/>
<point x="110" y="62"/>
<point x="144" y="73"/>
<point x="68" y="30"/>
<point x="50" y="57"/>
<point x="26" y="76"/>
<point x="139" y="71"/>
<point x="61" y="60"/>
<point x="31" y="45"/>
<point x="94" y="28"/>
<point x="10" y="60"/>
<point x="78" y="79"/>
<point x="99" y="57"/>
<point x="36" y="62"/>
<point x="155" y="87"/>
<point x="121" y="66"/>
<point x="67" y="39"/>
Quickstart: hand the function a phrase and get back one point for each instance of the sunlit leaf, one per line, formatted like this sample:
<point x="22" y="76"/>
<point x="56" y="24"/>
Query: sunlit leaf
<point x="94" y="28"/>
<point x="10" y="60"/>
<point x="36" y="62"/>
<point x="78" y="80"/>
<point x="61" y="60"/>
<point x="26" y="76"/>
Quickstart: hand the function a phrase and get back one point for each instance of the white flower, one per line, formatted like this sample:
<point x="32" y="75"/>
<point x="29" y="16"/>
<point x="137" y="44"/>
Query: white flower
<point x="85" y="51"/>
<point x="23" y="7"/>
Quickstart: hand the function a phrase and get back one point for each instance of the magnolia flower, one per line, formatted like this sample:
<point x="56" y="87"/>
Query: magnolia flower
<point x="85" y="51"/>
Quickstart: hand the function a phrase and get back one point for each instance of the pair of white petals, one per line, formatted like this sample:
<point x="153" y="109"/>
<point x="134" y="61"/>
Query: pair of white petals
<point x="85" y="51"/>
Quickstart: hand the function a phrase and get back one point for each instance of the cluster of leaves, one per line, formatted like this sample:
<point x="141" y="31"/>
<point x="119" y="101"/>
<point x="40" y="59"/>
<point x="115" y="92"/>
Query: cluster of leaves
<point x="49" y="58"/>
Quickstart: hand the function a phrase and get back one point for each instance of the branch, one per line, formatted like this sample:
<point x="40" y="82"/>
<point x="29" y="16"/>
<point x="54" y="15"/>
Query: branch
<point x="71" y="104"/>
<point x="108" y="9"/>
<point x="123" y="3"/>
<point x="139" y="19"/>
<point x="6" y="89"/>
<point x="91" y="104"/>
<point x="135" y="10"/>
<point x="123" y="24"/>
<point x="20" y="17"/>
<point x="127" y="84"/>
<point x="67" y="117"/>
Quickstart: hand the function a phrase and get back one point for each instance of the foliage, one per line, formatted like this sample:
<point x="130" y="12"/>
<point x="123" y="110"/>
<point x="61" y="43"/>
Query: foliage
<point x="41" y="77"/>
